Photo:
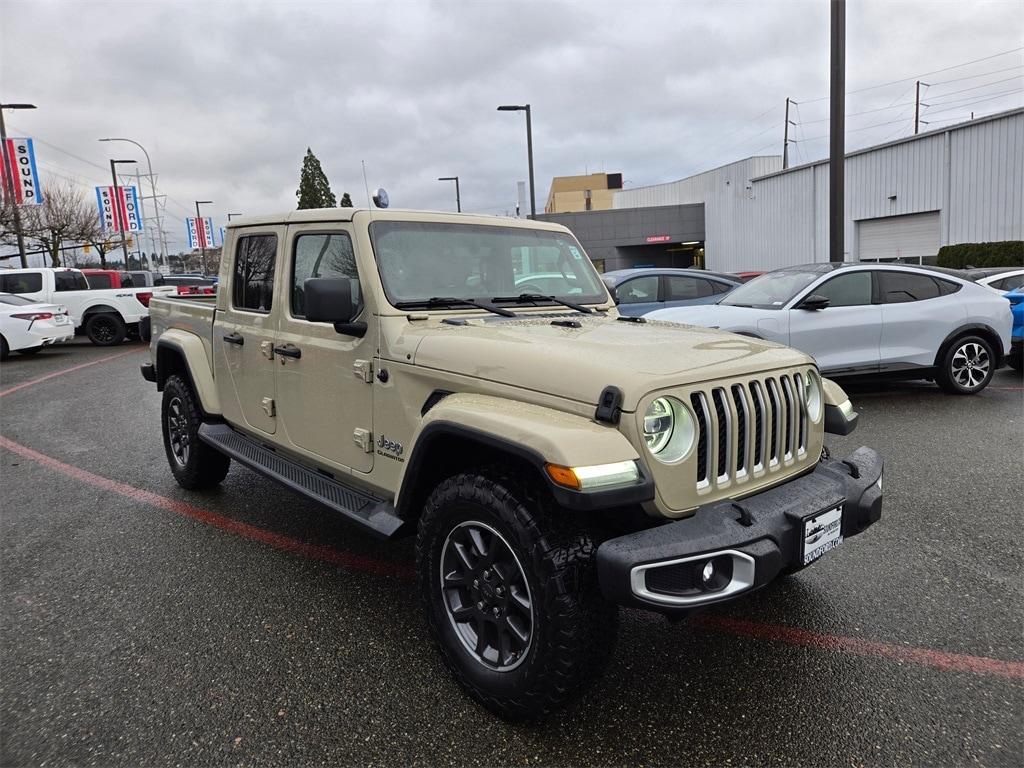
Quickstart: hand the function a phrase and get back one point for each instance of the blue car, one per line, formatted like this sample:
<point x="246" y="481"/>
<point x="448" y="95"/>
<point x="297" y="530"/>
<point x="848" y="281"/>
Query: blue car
<point x="639" y="291"/>
<point x="1016" y="357"/>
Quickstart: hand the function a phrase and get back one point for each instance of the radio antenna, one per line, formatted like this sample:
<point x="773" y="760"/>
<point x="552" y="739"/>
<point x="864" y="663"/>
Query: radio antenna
<point x="366" y="186"/>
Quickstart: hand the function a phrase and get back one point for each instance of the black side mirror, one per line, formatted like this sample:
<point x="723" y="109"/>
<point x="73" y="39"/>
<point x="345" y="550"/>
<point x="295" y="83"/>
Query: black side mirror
<point x="330" y="300"/>
<point x="814" y="301"/>
<point x="615" y="296"/>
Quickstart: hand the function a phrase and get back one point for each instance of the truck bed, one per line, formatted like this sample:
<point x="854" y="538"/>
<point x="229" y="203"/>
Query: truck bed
<point x="189" y="314"/>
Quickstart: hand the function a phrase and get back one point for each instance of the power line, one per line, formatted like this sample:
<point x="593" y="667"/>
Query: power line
<point x="983" y="74"/>
<point x="976" y="87"/>
<point x="964" y="103"/>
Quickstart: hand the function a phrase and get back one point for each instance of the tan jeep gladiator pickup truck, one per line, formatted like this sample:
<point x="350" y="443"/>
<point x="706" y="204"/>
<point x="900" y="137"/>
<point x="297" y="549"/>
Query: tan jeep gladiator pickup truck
<point x="468" y="380"/>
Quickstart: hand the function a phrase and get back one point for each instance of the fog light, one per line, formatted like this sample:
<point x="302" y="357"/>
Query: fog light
<point x="709" y="572"/>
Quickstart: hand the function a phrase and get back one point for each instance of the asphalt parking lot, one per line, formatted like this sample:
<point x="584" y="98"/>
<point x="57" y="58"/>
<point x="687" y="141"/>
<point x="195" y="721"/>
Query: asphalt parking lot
<point x="146" y="625"/>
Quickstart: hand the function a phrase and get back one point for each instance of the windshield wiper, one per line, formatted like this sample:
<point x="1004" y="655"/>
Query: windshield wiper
<point x="447" y="301"/>
<point x="522" y="298"/>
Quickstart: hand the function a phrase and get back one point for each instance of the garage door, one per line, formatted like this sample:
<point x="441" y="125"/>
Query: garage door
<point x="898" y="237"/>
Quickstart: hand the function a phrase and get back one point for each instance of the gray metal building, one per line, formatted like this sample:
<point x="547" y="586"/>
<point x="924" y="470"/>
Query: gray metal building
<point x="904" y="199"/>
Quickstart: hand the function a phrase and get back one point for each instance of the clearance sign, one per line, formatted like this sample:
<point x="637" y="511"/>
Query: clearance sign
<point x="200" y="233"/>
<point x="19" y="165"/>
<point x="119" y="211"/>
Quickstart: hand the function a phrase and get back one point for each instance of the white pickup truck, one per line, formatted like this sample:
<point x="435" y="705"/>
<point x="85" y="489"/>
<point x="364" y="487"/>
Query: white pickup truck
<point x="106" y="316"/>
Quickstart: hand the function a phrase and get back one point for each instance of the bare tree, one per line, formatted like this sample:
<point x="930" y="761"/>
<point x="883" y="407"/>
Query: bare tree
<point x="64" y="216"/>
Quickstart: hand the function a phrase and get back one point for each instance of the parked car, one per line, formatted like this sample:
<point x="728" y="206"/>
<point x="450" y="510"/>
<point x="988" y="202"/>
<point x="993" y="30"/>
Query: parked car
<point x="639" y="291"/>
<point x="191" y="285"/>
<point x="746" y="277"/>
<point x="27" y="326"/>
<point x="101" y="279"/>
<point x="857" y="319"/>
<point x="1016" y="357"/>
<point x="105" y="315"/>
<point x="1000" y="279"/>
<point x="551" y="459"/>
<point x="147" y="278"/>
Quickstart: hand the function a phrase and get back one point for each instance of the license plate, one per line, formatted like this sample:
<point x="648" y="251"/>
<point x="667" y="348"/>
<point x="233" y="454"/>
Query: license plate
<point x="60" y="319"/>
<point x="822" y="533"/>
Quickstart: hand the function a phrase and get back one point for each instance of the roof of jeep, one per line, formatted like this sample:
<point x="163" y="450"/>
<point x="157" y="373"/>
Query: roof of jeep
<point x="313" y="215"/>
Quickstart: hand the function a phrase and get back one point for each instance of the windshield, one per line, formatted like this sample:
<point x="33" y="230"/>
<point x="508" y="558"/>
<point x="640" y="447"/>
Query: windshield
<point x="770" y="291"/>
<point x="423" y="260"/>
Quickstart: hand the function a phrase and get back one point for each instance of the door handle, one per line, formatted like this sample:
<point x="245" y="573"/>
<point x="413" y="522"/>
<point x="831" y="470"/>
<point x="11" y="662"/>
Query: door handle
<point x="235" y="338"/>
<point x="288" y="350"/>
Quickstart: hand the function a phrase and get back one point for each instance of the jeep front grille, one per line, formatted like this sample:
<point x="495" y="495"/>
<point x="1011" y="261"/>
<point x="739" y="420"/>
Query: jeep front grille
<point x="749" y="427"/>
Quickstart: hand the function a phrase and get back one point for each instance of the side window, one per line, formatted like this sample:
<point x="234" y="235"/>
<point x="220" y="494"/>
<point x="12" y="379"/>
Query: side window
<point x="322" y="255"/>
<point x="22" y="282"/>
<point x="70" y="281"/>
<point x="638" y="290"/>
<point x="253" y="283"/>
<point x="946" y="287"/>
<point x="1009" y="283"/>
<point x="718" y="287"/>
<point x="850" y="290"/>
<point x="901" y="287"/>
<point x="680" y="288"/>
<point x="97" y="282"/>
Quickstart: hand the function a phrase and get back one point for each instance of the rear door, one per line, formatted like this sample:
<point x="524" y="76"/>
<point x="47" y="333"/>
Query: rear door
<point x="324" y="389"/>
<point x="918" y="311"/>
<point x="245" y="329"/>
<point x="638" y="295"/>
<point x="845" y="336"/>
<point x="684" y="290"/>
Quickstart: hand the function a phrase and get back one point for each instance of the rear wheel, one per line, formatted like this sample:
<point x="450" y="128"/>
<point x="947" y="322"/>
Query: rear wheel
<point x="4" y="349"/>
<point x="511" y="594"/>
<point x="105" y="329"/>
<point x="194" y="463"/>
<point x="967" y="366"/>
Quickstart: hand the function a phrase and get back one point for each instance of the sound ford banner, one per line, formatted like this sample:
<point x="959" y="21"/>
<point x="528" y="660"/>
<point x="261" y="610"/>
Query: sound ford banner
<point x="119" y="212"/>
<point x="200" y="233"/>
<point x="19" y="165"/>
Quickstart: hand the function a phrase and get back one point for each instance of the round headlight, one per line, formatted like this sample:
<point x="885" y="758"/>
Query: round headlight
<point x="668" y="429"/>
<point x="812" y="394"/>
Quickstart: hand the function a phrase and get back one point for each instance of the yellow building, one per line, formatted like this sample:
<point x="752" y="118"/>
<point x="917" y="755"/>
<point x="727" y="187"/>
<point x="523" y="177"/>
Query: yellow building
<point x="593" y="192"/>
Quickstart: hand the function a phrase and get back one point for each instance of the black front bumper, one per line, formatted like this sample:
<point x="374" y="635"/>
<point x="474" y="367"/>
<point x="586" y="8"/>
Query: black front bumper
<point x="759" y="535"/>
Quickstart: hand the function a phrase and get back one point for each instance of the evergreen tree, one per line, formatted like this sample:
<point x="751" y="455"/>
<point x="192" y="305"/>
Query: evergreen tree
<point x="314" y="190"/>
<point x="346" y="201"/>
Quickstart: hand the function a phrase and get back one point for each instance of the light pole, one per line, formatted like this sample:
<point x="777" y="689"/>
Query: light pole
<point x="458" y="200"/>
<point x="233" y="214"/>
<point x="10" y="179"/>
<point x="152" y="187"/>
<point x="200" y="232"/>
<point x="529" y="148"/>
<point x="119" y="221"/>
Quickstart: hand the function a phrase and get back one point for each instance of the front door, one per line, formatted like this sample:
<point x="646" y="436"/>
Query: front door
<point x="243" y="333"/>
<point x="324" y="379"/>
<point x="845" y="336"/>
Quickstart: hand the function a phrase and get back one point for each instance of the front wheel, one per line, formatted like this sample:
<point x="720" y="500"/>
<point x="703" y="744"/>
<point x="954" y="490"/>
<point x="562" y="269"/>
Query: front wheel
<point x="967" y="366"/>
<point x="511" y="594"/>
<point x="105" y="329"/>
<point x="194" y="464"/>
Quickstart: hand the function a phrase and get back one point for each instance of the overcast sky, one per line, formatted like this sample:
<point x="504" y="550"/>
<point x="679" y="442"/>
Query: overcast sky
<point x="226" y="96"/>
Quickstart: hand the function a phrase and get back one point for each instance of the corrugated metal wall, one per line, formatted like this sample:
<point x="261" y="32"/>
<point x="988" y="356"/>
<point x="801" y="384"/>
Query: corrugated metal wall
<point x="972" y="173"/>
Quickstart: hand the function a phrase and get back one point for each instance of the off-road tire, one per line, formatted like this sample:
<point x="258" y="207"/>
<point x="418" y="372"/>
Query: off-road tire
<point x="573" y="630"/>
<point x="953" y="360"/>
<point x="200" y="466"/>
<point x="105" y="329"/>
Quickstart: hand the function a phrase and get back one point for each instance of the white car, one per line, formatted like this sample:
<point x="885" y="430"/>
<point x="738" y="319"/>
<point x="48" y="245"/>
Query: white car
<point x="856" y="319"/>
<point x="27" y="327"/>
<point x="106" y="315"/>
<point x="1001" y="280"/>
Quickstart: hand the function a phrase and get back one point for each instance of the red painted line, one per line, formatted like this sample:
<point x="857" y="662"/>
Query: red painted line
<point x="279" y="541"/>
<point x="805" y="638"/>
<point x="55" y="374"/>
<point x="925" y="657"/>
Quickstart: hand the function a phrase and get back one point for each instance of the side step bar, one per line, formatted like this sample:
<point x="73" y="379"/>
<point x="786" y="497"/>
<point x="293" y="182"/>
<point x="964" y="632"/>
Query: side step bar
<point x="373" y="515"/>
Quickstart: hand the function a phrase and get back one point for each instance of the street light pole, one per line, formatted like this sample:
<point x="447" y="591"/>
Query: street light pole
<point x="9" y="178"/>
<point x="201" y="233"/>
<point x="529" y="148"/>
<point x="152" y="187"/>
<point x="233" y="214"/>
<point x="458" y="199"/>
<point x="119" y="221"/>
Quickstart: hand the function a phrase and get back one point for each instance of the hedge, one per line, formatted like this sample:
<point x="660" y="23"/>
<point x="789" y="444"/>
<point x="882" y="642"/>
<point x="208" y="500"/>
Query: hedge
<point x="1008" y="253"/>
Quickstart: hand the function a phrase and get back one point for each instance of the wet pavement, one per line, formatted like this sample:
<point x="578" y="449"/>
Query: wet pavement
<point x="143" y="624"/>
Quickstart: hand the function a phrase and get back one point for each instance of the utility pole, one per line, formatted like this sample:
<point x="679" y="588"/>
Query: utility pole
<point x="142" y="216"/>
<point x="917" y="108"/>
<point x="785" y="139"/>
<point x="119" y="221"/>
<point x="152" y="187"/>
<point x="9" y="177"/>
<point x="837" y="129"/>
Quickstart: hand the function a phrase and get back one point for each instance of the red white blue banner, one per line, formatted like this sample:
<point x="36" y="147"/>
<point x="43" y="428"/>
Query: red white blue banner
<point x="119" y="212"/>
<point x="19" y="165"/>
<point x="200" y="233"/>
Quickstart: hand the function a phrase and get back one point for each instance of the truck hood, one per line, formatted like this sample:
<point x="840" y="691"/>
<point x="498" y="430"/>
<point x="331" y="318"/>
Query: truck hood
<point x="579" y="362"/>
